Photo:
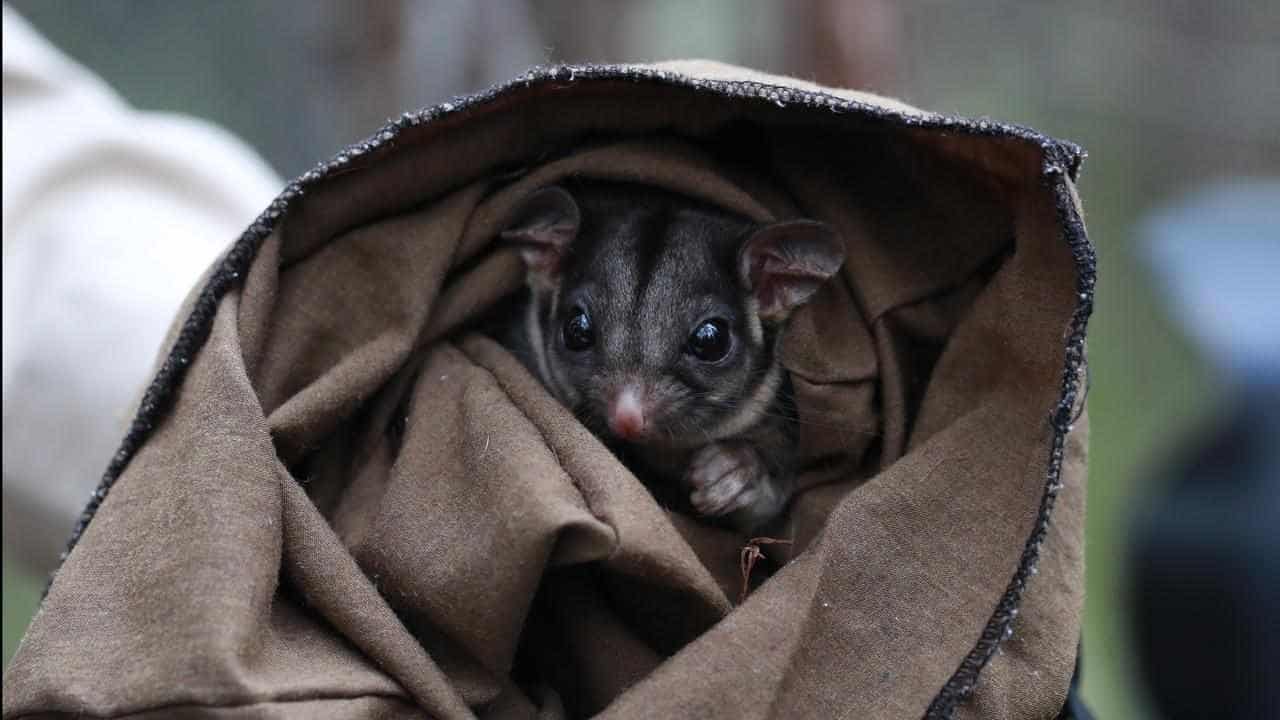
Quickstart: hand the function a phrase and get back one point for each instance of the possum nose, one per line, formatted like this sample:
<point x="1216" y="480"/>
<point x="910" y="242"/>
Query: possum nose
<point x="626" y="414"/>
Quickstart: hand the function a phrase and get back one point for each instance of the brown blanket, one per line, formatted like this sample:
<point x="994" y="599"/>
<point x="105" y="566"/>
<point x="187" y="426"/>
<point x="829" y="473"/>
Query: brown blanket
<point x="338" y="501"/>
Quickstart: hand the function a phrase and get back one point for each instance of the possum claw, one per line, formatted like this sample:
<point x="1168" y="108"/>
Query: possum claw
<point x="729" y="479"/>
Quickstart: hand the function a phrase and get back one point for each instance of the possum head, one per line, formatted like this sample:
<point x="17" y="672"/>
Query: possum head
<point x="655" y="317"/>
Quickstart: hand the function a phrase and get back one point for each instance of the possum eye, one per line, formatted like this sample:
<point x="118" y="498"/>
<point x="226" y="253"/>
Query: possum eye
<point x="709" y="342"/>
<point x="578" y="331"/>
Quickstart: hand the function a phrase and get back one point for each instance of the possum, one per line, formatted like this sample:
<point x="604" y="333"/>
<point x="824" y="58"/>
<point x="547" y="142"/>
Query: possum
<point x="656" y="319"/>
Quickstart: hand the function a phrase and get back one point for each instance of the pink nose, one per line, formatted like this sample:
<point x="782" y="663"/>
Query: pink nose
<point x="626" y="414"/>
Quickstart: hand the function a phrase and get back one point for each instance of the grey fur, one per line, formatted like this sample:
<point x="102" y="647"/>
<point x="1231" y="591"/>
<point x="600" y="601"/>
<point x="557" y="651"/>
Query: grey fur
<point x="648" y="267"/>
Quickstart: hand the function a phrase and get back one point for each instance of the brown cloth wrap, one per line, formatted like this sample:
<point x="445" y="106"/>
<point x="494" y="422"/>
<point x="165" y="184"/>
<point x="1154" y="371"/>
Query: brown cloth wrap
<point x="355" y="507"/>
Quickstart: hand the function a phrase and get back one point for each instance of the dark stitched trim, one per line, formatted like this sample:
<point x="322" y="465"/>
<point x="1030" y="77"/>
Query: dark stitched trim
<point x="1000" y="627"/>
<point x="1061" y="160"/>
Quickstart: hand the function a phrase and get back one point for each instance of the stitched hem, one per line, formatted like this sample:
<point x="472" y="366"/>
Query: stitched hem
<point x="999" y="627"/>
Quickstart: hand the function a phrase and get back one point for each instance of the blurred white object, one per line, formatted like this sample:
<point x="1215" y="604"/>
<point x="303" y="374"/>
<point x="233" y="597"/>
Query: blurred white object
<point x="110" y="217"/>
<point x="1217" y="252"/>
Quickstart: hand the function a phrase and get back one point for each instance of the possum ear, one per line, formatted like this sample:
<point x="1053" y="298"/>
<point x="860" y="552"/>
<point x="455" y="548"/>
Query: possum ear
<point x="542" y="227"/>
<point x="785" y="263"/>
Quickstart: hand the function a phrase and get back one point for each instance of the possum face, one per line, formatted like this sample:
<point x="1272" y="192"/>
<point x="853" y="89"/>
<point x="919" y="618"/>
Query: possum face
<point x="654" y="317"/>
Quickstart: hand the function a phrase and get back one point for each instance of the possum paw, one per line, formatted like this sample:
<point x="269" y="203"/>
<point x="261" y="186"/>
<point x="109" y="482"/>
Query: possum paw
<point x="729" y="479"/>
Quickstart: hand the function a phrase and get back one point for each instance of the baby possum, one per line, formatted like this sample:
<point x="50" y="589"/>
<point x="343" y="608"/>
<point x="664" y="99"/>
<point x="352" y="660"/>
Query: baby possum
<point x="656" y="319"/>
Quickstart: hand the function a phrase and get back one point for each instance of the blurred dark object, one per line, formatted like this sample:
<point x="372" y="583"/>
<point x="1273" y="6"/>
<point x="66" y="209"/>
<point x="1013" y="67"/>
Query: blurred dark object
<point x="1075" y="708"/>
<point x="1206" y="550"/>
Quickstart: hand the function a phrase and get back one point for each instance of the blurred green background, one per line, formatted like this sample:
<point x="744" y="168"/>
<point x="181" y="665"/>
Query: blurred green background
<point x="1165" y="96"/>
